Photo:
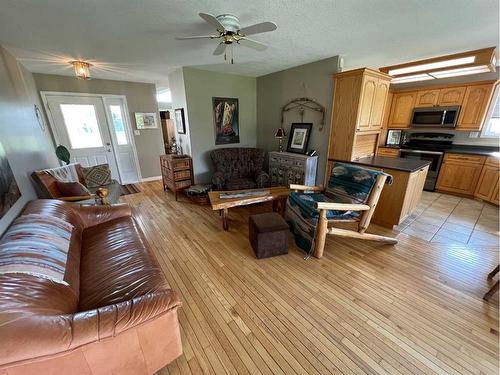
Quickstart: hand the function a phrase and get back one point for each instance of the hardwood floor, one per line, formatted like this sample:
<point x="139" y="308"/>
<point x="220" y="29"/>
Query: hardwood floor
<point x="413" y="308"/>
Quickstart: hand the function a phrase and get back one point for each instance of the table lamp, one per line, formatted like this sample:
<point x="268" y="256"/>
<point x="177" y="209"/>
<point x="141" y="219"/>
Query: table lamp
<point x="280" y="134"/>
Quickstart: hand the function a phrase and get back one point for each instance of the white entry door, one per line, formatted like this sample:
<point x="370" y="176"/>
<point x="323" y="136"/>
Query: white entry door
<point x="122" y="139"/>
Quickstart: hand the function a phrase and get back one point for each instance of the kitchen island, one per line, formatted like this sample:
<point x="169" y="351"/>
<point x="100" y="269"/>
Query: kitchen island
<point x="399" y="200"/>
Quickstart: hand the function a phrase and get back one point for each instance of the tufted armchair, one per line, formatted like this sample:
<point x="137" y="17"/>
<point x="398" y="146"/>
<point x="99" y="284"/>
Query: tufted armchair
<point x="238" y="168"/>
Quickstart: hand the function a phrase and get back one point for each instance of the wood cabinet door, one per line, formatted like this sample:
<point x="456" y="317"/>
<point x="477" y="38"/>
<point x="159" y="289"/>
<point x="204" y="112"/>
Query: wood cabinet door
<point x="402" y="109"/>
<point x="378" y="105"/>
<point x="365" y="104"/>
<point x="474" y="107"/>
<point x="451" y="96"/>
<point x="459" y="177"/>
<point x="427" y="98"/>
<point x="488" y="180"/>
<point x="495" y="198"/>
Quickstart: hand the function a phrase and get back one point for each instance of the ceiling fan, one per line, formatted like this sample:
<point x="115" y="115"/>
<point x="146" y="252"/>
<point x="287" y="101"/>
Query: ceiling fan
<point x="229" y="32"/>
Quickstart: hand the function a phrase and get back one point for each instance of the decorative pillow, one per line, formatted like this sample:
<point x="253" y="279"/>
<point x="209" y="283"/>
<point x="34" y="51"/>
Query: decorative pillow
<point x="36" y="245"/>
<point x="72" y="189"/>
<point x="96" y="176"/>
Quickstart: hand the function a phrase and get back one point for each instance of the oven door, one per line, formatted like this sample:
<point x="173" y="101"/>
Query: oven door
<point x="435" y="157"/>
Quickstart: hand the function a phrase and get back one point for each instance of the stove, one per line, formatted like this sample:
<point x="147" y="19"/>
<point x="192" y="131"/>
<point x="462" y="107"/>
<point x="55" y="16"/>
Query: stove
<point x="429" y="147"/>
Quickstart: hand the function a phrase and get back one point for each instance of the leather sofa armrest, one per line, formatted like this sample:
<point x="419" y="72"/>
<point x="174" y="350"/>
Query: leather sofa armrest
<point x="34" y="336"/>
<point x="93" y="215"/>
<point x="218" y="180"/>
<point x="262" y="179"/>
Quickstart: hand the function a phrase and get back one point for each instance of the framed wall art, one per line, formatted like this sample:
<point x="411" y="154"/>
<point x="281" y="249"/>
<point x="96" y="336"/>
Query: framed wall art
<point x="226" y="120"/>
<point x="299" y="137"/>
<point x="146" y="120"/>
<point x="180" y="123"/>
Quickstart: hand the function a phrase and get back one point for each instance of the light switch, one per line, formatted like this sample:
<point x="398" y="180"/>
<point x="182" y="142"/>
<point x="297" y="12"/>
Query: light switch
<point x="137" y="132"/>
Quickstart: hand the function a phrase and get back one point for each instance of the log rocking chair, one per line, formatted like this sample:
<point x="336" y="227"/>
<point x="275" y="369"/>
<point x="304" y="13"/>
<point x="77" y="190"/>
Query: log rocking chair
<point x="351" y="195"/>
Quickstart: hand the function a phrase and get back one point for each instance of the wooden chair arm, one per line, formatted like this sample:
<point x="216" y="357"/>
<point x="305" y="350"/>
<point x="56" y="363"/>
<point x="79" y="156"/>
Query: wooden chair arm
<point x="76" y="198"/>
<point x="341" y="206"/>
<point x="305" y="187"/>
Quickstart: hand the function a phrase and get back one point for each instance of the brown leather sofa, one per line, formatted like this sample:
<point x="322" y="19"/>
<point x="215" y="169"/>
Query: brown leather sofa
<point x="114" y="314"/>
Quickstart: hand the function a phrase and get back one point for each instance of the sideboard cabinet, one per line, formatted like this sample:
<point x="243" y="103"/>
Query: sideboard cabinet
<point x="287" y="168"/>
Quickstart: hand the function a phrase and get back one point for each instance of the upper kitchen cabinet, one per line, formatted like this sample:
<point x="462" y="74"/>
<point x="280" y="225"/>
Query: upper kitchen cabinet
<point x="359" y="102"/>
<point x="427" y="98"/>
<point x="451" y="96"/>
<point x="474" y="107"/>
<point x="402" y="109"/>
<point x="373" y="97"/>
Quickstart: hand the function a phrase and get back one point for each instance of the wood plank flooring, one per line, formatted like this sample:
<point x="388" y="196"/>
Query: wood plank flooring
<point x="413" y="308"/>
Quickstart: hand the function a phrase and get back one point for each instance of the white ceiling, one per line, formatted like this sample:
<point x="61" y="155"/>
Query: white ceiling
<point x="134" y="40"/>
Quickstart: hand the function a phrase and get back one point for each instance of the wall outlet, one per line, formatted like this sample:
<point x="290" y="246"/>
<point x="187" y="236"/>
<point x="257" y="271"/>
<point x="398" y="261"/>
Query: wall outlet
<point x="137" y="132"/>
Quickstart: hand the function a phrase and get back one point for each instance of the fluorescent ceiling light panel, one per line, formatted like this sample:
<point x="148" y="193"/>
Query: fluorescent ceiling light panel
<point x="412" y="78"/>
<point x="461" y="71"/>
<point x="431" y="66"/>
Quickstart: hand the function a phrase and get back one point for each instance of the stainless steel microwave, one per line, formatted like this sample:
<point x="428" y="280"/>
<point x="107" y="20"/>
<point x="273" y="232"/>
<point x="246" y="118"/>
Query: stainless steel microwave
<point x="435" y="117"/>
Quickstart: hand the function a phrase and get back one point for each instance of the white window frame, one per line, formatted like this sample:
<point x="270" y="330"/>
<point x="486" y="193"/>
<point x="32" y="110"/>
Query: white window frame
<point x="495" y="99"/>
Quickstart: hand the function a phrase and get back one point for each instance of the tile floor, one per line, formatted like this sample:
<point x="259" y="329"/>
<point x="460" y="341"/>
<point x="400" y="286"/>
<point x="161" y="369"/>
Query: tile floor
<point x="451" y="219"/>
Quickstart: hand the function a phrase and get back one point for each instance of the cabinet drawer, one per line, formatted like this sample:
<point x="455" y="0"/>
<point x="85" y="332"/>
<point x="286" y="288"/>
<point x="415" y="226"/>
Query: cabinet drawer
<point x="464" y="158"/>
<point x="182" y="175"/>
<point x="180" y="164"/>
<point x="386" y="151"/>
<point x="182" y="184"/>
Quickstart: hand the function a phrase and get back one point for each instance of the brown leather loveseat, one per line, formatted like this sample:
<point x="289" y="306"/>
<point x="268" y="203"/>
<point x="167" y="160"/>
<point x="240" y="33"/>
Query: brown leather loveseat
<point x="112" y="313"/>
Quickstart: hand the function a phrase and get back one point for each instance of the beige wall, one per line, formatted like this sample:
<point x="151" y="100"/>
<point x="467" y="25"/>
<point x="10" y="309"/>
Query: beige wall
<point x="141" y="97"/>
<point x="27" y="146"/>
<point x="314" y="80"/>
<point x="176" y="83"/>
<point x="200" y="87"/>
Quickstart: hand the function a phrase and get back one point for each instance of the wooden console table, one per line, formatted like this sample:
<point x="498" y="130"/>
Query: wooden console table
<point x="277" y="195"/>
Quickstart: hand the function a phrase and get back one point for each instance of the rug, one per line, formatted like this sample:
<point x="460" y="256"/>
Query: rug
<point x="129" y="189"/>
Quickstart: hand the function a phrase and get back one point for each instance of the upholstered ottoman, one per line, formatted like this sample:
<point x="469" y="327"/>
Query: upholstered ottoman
<point x="268" y="234"/>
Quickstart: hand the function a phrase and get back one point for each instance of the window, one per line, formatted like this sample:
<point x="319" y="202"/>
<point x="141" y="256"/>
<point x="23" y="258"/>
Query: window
<point x="164" y="96"/>
<point x="492" y="123"/>
<point x="82" y="126"/>
<point x="118" y="125"/>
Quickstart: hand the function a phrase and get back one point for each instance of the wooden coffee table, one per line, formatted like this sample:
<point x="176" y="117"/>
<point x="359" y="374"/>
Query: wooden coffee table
<point x="276" y="194"/>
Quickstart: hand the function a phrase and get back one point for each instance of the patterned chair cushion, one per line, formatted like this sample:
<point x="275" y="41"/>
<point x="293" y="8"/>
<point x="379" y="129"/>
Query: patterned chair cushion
<point x="36" y="245"/>
<point x="97" y="176"/>
<point x="305" y="202"/>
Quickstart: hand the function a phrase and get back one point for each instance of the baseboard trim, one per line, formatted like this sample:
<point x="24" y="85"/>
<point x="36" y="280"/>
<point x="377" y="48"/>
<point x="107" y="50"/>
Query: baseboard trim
<point x="154" y="178"/>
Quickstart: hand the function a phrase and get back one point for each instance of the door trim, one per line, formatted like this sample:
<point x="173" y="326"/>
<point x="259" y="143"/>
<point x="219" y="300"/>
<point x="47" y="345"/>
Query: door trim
<point x="46" y="94"/>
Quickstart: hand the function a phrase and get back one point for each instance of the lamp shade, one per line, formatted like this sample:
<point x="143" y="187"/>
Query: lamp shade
<point x="280" y="133"/>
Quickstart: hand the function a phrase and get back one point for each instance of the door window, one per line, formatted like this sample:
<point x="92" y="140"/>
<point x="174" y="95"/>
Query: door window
<point x="118" y="124"/>
<point x="81" y="123"/>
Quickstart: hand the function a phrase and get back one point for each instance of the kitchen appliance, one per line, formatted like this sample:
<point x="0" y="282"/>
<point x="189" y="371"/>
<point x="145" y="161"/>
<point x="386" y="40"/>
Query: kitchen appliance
<point x="435" y="117"/>
<point x="429" y="147"/>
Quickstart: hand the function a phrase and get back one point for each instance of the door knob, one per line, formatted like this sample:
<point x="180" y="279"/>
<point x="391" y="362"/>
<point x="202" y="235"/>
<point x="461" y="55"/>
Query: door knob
<point x="108" y="144"/>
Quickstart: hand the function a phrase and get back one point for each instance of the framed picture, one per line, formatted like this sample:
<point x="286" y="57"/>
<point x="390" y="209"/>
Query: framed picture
<point x="146" y="120"/>
<point x="179" y="121"/>
<point x="299" y="137"/>
<point x="226" y="120"/>
<point x="9" y="191"/>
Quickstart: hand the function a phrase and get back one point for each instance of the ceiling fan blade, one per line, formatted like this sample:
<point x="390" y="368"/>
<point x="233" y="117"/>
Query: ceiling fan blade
<point x="212" y="21"/>
<point x="197" y="37"/>
<point x="263" y="27"/>
<point x="252" y="44"/>
<point x="220" y="49"/>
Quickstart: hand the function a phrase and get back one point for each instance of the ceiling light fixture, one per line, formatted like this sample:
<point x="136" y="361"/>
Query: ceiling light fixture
<point x="81" y="69"/>
<point x="472" y="62"/>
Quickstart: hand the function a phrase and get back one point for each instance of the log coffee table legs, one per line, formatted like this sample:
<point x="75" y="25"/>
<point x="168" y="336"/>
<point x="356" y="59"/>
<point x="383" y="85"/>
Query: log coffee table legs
<point x="223" y="213"/>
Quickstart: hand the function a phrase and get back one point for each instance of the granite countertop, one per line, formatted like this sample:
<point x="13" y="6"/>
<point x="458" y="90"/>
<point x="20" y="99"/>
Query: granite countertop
<point x="398" y="164"/>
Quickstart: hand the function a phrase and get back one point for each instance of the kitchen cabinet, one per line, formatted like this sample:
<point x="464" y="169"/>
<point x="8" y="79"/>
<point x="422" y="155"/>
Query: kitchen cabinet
<point x="402" y="109"/>
<point x="487" y="186"/>
<point x="451" y="96"/>
<point x="427" y="98"/>
<point x="359" y="102"/>
<point x="388" y="151"/>
<point x="460" y="173"/>
<point x="474" y="107"/>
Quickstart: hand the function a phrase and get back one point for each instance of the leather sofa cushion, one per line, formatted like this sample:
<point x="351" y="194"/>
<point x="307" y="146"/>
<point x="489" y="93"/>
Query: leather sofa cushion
<point x="124" y="271"/>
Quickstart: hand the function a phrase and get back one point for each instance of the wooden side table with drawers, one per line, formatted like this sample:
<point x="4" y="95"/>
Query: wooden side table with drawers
<point x="176" y="172"/>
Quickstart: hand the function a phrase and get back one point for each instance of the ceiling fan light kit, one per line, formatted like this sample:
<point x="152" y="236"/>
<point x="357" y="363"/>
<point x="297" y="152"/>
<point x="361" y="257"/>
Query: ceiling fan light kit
<point x="230" y="32"/>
